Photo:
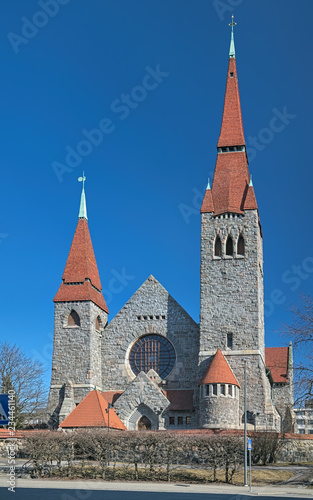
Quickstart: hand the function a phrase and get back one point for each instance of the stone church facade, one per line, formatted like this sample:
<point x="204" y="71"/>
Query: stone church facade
<point x="153" y="363"/>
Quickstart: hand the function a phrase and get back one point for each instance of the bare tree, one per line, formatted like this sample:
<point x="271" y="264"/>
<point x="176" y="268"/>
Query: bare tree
<point x="300" y="330"/>
<point x="24" y="376"/>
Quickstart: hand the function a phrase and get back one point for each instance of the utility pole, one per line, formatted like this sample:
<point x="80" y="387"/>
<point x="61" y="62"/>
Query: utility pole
<point x="245" y="421"/>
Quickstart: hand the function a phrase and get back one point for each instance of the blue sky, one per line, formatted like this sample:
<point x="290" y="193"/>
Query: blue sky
<point x="69" y="70"/>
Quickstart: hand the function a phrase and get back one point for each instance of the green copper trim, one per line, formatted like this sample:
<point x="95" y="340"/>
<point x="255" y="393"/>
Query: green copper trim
<point x="250" y="183"/>
<point x="209" y="185"/>
<point x="232" y="52"/>
<point x="83" y="207"/>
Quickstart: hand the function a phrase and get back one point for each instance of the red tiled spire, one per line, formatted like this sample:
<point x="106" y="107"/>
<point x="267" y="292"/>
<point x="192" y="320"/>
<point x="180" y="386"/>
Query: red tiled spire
<point x="80" y="280"/>
<point x="92" y="412"/>
<point x="219" y="371"/>
<point x="231" y="177"/>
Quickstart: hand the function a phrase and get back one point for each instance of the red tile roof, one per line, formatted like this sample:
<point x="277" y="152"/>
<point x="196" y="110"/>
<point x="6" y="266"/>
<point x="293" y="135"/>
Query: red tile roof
<point x="91" y="412"/>
<point x="232" y="128"/>
<point x="230" y="188"/>
<point x="81" y="279"/>
<point x="219" y="371"/>
<point x="276" y="359"/>
<point x="181" y="399"/>
<point x="112" y="396"/>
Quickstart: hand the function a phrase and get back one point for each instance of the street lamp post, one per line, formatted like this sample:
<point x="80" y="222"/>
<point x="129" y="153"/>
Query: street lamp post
<point x="245" y="421"/>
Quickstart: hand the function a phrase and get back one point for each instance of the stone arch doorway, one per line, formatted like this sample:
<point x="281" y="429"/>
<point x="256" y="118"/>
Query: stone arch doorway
<point x="144" y="424"/>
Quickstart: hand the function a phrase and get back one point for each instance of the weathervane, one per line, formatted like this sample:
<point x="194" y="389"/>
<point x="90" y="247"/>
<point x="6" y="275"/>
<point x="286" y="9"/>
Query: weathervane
<point x="232" y="24"/>
<point x="82" y="179"/>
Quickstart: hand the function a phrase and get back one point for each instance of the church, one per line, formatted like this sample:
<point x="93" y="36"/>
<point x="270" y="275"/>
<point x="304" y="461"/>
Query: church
<point x="152" y="366"/>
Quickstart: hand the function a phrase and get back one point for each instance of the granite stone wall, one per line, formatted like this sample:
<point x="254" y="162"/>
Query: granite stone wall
<point x="76" y="352"/>
<point x="151" y="310"/>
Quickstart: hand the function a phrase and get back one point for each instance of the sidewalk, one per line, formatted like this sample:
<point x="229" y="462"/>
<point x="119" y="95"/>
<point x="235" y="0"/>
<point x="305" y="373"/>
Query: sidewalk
<point x="238" y="491"/>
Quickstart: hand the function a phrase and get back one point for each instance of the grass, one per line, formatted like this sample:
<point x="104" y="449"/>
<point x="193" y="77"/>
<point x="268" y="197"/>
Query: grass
<point x="262" y="476"/>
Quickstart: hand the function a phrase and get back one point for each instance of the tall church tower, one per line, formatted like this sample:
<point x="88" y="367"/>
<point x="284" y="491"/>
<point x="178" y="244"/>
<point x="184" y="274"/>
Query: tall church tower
<point x="231" y="302"/>
<point x="80" y="317"/>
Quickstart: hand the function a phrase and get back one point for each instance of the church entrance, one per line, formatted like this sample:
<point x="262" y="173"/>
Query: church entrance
<point x="144" y="424"/>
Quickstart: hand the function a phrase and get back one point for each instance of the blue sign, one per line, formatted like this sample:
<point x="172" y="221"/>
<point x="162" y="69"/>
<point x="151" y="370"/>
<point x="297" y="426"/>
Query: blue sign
<point x="4" y="409"/>
<point x="249" y="444"/>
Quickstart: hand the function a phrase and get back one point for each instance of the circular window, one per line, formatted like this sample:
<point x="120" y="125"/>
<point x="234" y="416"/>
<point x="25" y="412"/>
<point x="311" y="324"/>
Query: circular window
<point x="152" y="351"/>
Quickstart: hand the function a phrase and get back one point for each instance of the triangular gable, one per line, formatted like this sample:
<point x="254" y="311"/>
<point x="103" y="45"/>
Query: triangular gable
<point x="160" y="301"/>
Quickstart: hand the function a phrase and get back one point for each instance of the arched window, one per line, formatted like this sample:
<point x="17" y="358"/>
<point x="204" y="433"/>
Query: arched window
<point x="98" y="323"/>
<point x="229" y="246"/>
<point x="73" y="319"/>
<point x="241" y="246"/>
<point x="218" y="247"/>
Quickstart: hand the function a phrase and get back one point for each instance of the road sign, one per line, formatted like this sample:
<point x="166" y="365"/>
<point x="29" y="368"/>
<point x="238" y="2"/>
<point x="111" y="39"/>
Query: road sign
<point x="4" y="409"/>
<point x="250" y="444"/>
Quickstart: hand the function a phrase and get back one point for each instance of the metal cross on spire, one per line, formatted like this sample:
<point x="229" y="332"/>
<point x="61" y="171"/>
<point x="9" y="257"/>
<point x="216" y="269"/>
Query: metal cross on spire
<point x="82" y="179"/>
<point x="232" y="43"/>
<point x="232" y="24"/>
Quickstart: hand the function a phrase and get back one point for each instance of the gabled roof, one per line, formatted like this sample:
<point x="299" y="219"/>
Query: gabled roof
<point x="276" y="360"/>
<point x="92" y="412"/>
<point x="180" y="399"/>
<point x="81" y="279"/>
<point x="219" y="371"/>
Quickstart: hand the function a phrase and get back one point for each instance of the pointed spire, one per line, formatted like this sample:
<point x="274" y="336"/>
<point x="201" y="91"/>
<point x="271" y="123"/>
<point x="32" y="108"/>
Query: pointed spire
<point x="230" y="191"/>
<point x="250" y="183"/>
<point x="232" y="42"/>
<point x="81" y="270"/>
<point x="209" y="185"/>
<point x="83" y="207"/>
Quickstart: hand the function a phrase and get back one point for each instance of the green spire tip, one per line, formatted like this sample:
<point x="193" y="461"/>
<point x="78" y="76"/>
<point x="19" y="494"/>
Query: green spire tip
<point x="83" y="207"/>
<point x="232" y="42"/>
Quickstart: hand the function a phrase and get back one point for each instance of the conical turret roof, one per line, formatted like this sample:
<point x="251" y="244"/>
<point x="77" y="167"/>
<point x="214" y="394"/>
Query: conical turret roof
<point x="219" y="371"/>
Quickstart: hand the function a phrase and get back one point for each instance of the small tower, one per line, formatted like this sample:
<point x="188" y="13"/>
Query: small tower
<point x="231" y="299"/>
<point x="80" y="316"/>
<point x="219" y="396"/>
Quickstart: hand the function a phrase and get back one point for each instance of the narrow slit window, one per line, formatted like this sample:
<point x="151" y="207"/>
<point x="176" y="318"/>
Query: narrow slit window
<point x="241" y="246"/>
<point x="229" y="340"/>
<point x="223" y="389"/>
<point x="229" y="246"/>
<point x="218" y="247"/>
<point x="231" y="75"/>
<point x="215" y="389"/>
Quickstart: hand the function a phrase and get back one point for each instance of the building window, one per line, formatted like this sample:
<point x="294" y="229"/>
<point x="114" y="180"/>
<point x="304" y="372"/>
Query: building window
<point x="301" y="431"/>
<point x="207" y="390"/>
<point x="73" y="319"/>
<point x="229" y="340"/>
<point x="310" y="422"/>
<point x="98" y="323"/>
<point x="188" y="420"/>
<point x="230" y="390"/>
<point x="229" y="246"/>
<point x="172" y="420"/>
<point x="218" y="247"/>
<point x="152" y="351"/>
<point x="241" y="246"/>
<point x="300" y="422"/>
<point x="223" y="389"/>
<point x="310" y="431"/>
<point x="180" y="420"/>
<point x="231" y="75"/>
<point x="215" y="389"/>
